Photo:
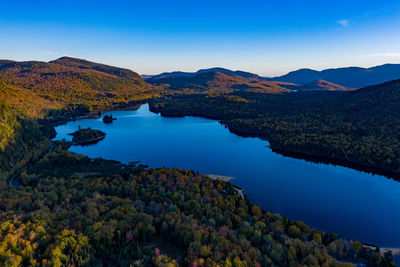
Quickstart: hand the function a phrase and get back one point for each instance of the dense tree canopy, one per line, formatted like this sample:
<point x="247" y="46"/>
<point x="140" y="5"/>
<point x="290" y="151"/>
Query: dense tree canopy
<point x="71" y="209"/>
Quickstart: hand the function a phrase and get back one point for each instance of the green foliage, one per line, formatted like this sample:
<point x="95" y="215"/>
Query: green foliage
<point x="78" y="211"/>
<point x="21" y="141"/>
<point x="217" y="83"/>
<point x="8" y="124"/>
<point x="73" y="82"/>
<point x="86" y="135"/>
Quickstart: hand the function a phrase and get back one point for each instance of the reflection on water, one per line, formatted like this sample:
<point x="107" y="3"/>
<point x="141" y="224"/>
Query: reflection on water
<point x="338" y="199"/>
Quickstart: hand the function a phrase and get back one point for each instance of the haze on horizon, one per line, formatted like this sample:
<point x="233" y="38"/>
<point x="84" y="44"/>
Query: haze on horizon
<point x="265" y="37"/>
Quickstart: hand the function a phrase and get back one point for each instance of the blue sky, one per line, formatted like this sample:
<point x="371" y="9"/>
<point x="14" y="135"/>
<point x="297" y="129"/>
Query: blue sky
<point x="265" y="37"/>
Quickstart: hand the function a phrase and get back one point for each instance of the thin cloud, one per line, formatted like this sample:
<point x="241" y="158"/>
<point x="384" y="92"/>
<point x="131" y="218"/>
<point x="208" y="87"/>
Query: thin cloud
<point x="343" y="22"/>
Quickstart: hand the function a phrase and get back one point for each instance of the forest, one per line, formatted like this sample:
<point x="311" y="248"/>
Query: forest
<point x="87" y="136"/>
<point x="70" y="210"/>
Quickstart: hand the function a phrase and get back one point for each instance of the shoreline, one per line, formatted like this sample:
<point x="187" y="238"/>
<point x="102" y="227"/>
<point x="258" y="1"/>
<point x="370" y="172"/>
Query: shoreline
<point x="227" y="179"/>
<point x="315" y="158"/>
<point x="89" y="142"/>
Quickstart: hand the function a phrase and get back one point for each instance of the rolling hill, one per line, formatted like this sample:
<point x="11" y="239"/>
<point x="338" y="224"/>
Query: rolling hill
<point x="353" y="77"/>
<point x="217" y="82"/>
<point x="84" y="64"/>
<point x="175" y="74"/>
<point x="322" y="85"/>
<point x="68" y="81"/>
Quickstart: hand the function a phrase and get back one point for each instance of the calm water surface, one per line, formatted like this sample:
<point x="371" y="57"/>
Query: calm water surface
<point x="331" y="198"/>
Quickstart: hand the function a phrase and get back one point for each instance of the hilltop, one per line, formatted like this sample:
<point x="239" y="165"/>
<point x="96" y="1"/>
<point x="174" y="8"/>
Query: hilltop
<point x="216" y="82"/>
<point x="68" y="81"/>
<point x="321" y="85"/>
<point x="84" y="64"/>
<point x="239" y="73"/>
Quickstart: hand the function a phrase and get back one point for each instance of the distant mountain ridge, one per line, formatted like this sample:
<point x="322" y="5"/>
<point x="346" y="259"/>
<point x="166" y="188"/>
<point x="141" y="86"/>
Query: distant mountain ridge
<point x="353" y="77"/>
<point x="218" y="82"/>
<point x="239" y="73"/>
<point x="348" y="77"/>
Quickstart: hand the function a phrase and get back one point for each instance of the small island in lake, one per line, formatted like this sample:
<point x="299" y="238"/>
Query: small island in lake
<point x="108" y="118"/>
<point x="87" y="136"/>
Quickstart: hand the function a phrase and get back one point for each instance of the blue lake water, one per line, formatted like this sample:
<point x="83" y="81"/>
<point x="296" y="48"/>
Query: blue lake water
<point x="361" y="206"/>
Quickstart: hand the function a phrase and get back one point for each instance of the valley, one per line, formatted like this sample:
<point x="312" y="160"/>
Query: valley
<point x="74" y="209"/>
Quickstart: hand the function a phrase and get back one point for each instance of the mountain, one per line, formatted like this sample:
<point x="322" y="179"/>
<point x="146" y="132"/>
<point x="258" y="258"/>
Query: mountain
<point x="84" y="64"/>
<point x="321" y="85"/>
<point x="170" y="75"/>
<point x="352" y="77"/>
<point x="36" y="85"/>
<point x="217" y="82"/>
<point x="238" y="73"/>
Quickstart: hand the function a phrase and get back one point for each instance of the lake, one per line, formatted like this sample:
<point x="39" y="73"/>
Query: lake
<point x="359" y="205"/>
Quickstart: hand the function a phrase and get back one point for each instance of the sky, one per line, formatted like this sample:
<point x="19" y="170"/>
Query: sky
<point x="267" y="37"/>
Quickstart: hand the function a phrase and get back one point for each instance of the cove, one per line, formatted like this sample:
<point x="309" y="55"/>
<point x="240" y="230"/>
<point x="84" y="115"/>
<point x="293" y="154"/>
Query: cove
<point x="361" y="206"/>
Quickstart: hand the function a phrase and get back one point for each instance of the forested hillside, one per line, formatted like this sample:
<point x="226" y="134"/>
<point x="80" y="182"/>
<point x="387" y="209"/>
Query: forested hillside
<point x="322" y="85"/>
<point x="71" y="210"/>
<point x="176" y="74"/>
<point x="20" y="140"/>
<point x="214" y="83"/>
<point x="71" y="81"/>
<point x="84" y="64"/>
<point x="8" y="124"/>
